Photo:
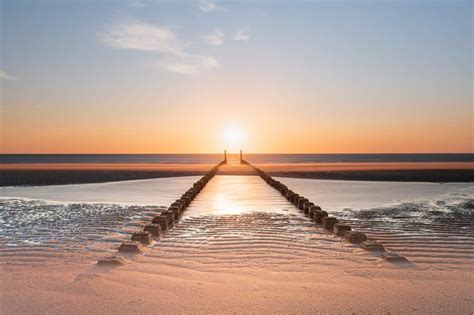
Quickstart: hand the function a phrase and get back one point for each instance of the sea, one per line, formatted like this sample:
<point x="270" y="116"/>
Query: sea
<point x="214" y="158"/>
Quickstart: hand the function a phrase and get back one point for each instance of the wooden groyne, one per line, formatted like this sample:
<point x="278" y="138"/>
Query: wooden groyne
<point x="166" y="219"/>
<point x="322" y="218"/>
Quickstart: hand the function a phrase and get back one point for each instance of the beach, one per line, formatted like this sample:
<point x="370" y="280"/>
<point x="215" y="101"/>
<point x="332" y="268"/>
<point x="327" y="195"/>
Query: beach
<point x="236" y="157"/>
<point x="173" y="285"/>
<point x="239" y="248"/>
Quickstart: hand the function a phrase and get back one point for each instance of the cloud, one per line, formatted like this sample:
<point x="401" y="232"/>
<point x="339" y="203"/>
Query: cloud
<point x="142" y="36"/>
<point x="242" y="35"/>
<point x="136" y="35"/>
<point x="5" y="76"/>
<point x="189" y="64"/>
<point x="209" y="6"/>
<point x="215" y="38"/>
<point x="137" y="3"/>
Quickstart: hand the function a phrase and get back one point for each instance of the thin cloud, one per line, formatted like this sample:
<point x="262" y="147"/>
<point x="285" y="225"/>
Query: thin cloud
<point x="138" y="3"/>
<point x="242" y="35"/>
<point x="5" y="76"/>
<point x="189" y="64"/>
<point x="142" y="36"/>
<point x="215" y="38"/>
<point x="136" y="35"/>
<point x="209" y="6"/>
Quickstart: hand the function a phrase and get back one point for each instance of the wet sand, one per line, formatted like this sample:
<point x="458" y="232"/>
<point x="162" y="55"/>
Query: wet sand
<point x="57" y="174"/>
<point x="239" y="248"/>
<point x="268" y="270"/>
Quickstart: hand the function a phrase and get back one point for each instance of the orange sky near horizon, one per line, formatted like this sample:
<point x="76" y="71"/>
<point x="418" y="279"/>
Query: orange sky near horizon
<point x="279" y="135"/>
<point x="267" y="122"/>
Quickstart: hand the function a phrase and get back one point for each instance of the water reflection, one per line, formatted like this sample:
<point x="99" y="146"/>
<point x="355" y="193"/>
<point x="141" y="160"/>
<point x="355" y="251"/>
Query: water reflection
<point x="226" y="194"/>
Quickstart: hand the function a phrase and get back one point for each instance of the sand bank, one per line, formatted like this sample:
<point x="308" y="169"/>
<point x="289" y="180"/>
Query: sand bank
<point x="57" y="174"/>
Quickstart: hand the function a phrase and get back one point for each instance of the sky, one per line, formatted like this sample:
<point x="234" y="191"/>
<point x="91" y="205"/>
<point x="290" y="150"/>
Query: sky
<point x="144" y="76"/>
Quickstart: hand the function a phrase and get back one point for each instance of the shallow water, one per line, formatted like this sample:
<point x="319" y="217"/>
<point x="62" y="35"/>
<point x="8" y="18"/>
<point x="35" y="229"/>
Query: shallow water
<point x="427" y="223"/>
<point x="274" y="239"/>
<point x="229" y="194"/>
<point x="334" y="195"/>
<point x="159" y="191"/>
<point x="37" y="229"/>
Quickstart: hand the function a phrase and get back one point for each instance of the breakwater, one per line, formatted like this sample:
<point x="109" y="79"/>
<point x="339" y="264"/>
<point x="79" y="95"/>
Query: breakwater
<point x="167" y="218"/>
<point x="162" y="222"/>
<point x="324" y="220"/>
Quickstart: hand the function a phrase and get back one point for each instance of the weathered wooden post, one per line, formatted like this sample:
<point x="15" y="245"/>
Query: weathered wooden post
<point x="328" y="222"/>
<point x="225" y="156"/>
<point x="318" y="215"/>
<point x="372" y="246"/>
<point x="143" y="237"/>
<point x="154" y="229"/>
<point x="162" y="221"/>
<point x="240" y="156"/>
<point x="340" y="229"/>
<point x="130" y="247"/>
<point x="355" y="237"/>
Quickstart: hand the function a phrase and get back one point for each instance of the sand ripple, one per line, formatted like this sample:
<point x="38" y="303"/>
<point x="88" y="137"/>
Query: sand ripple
<point x="239" y="220"/>
<point x="424" y="232"/>
<point x="33" y="228"/>
<point x="249" y="238"/>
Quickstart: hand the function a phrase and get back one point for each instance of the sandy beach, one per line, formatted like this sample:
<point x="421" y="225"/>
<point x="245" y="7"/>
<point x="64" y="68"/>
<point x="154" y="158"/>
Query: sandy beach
<point x="239" y="248"/>
<point x="236" y="157"/>
<point x="342" y="281"/>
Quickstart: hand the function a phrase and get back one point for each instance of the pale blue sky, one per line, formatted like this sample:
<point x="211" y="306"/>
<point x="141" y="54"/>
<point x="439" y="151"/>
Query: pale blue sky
<point x="369" y="76"/>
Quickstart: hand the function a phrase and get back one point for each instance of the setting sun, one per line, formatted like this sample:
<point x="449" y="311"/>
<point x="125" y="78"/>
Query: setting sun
<point x="233" y="138"/>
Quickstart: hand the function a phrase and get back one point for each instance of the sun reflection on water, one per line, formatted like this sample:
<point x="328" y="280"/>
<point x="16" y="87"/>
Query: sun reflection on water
<point x="227" y="194"/>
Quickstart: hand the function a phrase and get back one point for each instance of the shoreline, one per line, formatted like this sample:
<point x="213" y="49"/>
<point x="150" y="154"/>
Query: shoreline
<point x="62" y="174"/>
<point x="422" y="176"/>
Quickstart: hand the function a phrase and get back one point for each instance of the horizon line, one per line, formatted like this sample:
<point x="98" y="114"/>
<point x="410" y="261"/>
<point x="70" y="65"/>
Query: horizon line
<point x="237" y="152"/>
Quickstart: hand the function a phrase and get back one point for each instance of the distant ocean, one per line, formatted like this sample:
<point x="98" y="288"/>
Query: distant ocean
<point x="214" y="158"/>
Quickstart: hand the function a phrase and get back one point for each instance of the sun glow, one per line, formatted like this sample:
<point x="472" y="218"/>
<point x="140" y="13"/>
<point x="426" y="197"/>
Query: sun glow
<point x="233" y="138"/>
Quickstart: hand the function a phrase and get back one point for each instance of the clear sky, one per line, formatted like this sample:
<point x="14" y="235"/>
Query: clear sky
<point x="144" y="76"/>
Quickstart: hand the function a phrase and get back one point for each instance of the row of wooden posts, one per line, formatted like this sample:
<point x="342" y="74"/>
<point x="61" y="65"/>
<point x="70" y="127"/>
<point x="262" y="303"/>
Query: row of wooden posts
<point x="318" y="215"/>
<point x="165" y="220"/>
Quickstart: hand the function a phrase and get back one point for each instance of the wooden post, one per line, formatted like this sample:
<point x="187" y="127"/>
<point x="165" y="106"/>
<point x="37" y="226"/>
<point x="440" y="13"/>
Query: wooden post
<point x="225" y="156"/>
<point x="241" y="156"/>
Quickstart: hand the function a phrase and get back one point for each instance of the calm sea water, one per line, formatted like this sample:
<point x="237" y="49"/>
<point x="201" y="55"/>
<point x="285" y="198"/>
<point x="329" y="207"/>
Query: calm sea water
<point x="214" y="158"/>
